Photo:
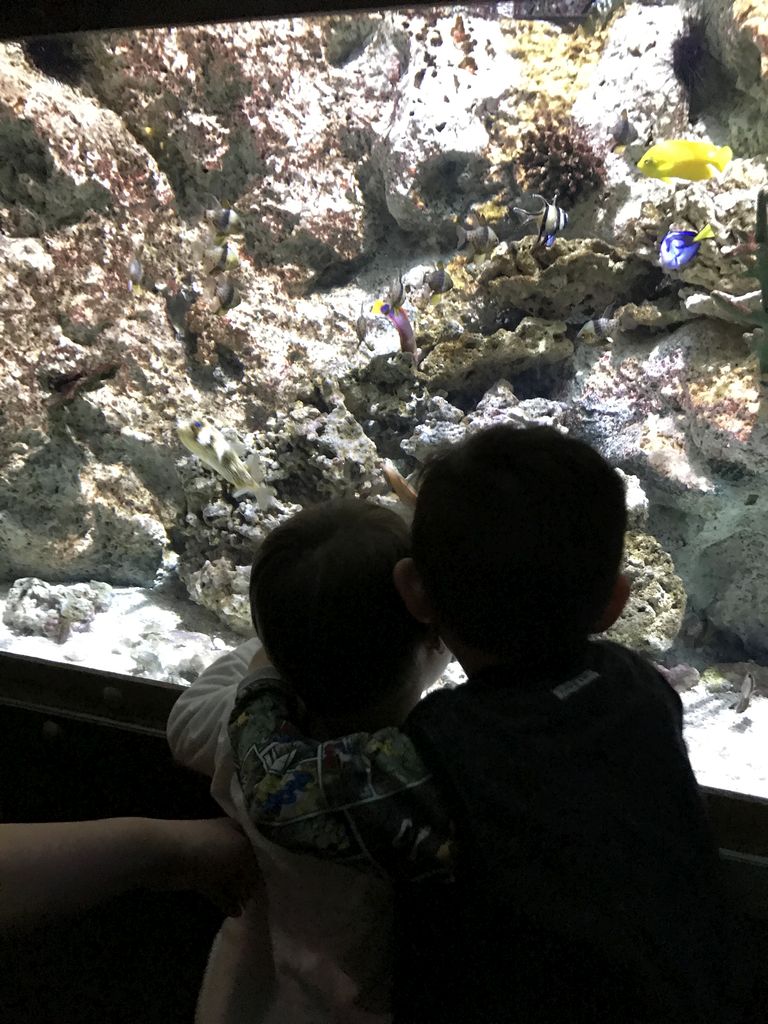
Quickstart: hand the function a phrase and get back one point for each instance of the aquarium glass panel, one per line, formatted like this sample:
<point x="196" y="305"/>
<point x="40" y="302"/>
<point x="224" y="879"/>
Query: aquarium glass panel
<point x="248" y="268"/>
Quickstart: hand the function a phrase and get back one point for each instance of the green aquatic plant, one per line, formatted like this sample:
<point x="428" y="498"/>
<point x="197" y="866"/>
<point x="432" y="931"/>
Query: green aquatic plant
<point x="757" y="319"/>
<point x="559" y="158"/>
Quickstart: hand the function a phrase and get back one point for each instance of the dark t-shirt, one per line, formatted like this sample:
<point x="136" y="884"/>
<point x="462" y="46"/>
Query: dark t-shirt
<point x="588" y="885"/>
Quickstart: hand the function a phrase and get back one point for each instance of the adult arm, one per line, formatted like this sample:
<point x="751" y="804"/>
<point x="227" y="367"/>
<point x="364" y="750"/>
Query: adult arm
<point x="364" y="800"/>
<point x="63" y="867"/>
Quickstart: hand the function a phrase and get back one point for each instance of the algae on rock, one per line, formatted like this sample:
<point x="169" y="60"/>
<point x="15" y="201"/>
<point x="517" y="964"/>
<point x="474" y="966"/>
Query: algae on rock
<point x="654" y="613"/>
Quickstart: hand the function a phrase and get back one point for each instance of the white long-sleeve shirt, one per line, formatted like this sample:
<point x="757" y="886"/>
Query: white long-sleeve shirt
<point x="330" y="926"/>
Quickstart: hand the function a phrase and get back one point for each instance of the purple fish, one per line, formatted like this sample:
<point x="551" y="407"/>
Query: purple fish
<point x="399" y="320"/>
<point x="678" y="248"/>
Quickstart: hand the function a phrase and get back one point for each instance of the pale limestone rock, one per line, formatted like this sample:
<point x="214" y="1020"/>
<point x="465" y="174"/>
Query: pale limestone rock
<point x="447" y="425"/>
<point x="692" y="428"/>
<point x="321" y="455"/>
<point x="430" y="158"/>
<point x="728" y="577"/>
<point x="574" y="280"/>
<point x="637" y="502"/>
<point x="723" y="306"/>
<point x="655" y="609"/>
<point x="431" y="435"/>
<point x="474" y="363"/>
<point x="681" y="677"/>
<point x="36" y="607"/>
<point x="633" y="73"/>
<point x="501" y="405"/>
<point x="738" y="34"/>
<point x="222" y="588"/>
<point x="697" y="387"/>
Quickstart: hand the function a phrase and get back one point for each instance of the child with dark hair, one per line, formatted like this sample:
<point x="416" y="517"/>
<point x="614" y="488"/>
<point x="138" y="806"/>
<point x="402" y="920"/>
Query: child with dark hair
<point x="324" y="603"/>
<point x="526" y="563"/>
<point x="578" y="880"/>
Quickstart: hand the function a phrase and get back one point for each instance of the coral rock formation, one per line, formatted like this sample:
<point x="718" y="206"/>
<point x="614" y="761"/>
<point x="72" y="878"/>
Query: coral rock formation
<point x="351" y="147"/>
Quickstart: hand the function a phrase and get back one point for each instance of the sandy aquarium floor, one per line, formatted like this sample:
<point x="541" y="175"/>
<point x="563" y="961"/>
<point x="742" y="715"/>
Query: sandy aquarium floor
<point x="727" y="750"/>
<point x="143" y="633"/>
<point x="160" y="637"/>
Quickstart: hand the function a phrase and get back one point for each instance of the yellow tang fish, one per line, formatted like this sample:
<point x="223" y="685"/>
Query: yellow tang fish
<point x="219" y="454"/>
<point x="684" y="158"/>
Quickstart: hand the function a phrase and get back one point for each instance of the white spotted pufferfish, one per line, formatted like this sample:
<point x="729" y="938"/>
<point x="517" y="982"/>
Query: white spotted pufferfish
<point x="223" y="456"/>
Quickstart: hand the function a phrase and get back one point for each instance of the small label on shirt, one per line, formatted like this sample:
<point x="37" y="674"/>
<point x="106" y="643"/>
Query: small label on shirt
<point x="571" y="686"/>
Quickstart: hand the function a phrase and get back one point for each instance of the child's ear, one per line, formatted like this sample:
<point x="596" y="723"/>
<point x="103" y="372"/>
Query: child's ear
<point x="616" y="602"/>
<point x="411" y="590"/>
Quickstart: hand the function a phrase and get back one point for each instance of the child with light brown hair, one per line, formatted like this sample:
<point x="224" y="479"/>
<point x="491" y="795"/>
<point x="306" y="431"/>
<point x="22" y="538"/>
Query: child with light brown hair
<point x="324" y="603"/>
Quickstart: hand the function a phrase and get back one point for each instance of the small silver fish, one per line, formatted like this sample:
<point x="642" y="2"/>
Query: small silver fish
<point x="439" y="282"/>
<point x="178" y="302"/>
<point x="361" y="325"/>
<point x="396" y="294"/>
<point x="599" y="328"/>
<point x="551" y="219"/>
<point x="480" y="240"/>
<point x="223" y="220"/>
<point x="220" y="455"/>
<point x="624" y="133"/>
<point x="747" y="689"/>
<point x="226" y="222"/>
<point x="135" y="273"/>
<point x="596" y="15"/>
<point x="222" y="257"/>
<point x="226" y="294"/>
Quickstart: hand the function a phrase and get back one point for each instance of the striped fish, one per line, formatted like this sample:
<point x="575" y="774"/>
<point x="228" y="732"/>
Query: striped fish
<point x="551" y="219"/>
<point x="599" y="328"/>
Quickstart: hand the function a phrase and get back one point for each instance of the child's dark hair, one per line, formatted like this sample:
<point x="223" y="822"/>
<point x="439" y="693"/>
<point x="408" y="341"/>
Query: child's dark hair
<point x="518" y="536"/>
<point x="324" y="603"/>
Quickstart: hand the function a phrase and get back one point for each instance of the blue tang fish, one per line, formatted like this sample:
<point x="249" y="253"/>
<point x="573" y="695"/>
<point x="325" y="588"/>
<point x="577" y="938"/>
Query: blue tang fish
<point x="678" y="248"/>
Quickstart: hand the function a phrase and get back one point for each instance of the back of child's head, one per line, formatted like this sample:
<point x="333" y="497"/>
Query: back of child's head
<point x="518" y="536"/>
<point x="324" y="604"/>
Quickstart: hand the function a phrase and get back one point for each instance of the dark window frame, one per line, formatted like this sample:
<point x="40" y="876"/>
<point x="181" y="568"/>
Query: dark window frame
<point x="48" y="17"/>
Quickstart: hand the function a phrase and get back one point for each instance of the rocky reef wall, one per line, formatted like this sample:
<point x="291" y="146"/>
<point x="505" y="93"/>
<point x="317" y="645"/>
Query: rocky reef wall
<point x="351" y="148"/>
